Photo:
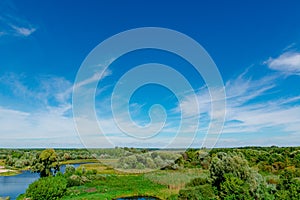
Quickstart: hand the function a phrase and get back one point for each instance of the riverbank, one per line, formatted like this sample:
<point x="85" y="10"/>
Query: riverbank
<point x="78" y="161"/>
<point x="8" y="172"/>
<point x="12" y="172"/>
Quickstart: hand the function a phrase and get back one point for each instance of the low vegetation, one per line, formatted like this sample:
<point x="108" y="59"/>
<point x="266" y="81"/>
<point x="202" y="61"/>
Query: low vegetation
<point x="236" y="173"/>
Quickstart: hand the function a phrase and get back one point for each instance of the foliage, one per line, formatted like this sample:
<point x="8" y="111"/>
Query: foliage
<point x="79" y="176"/>
<point x="76" y="180"/>
<point x="230" y="178"/>
<point x="201" y="192"/>
<point x="289" y="186"/>
<point x="70" y="170"/>
<point x="149" y="160"/>
<point x="198" y="181"/>
<point x="234" y="188"/>
<point x="46" y="163"/>
<point x="47" y="188"/>
<point x="228" y="173"/>
<point x="22" y="158"/>
<point x="232" y="163"/>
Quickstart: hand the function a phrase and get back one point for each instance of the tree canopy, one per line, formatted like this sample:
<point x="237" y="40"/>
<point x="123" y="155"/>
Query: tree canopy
<point x="46" y="163"/>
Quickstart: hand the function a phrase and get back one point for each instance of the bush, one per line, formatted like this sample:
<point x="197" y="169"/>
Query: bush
<point x="198" y="181"/>
<point x="228" y="163"/>
<point x="70" y="170"/>
<point x="140" y="166"/>
<point x="47" y="188"/>
<point x="159" y="162"/>
<point x="234" y="188"/>
<point x="150" y="163"/>
<point x="128" y="162"/>
<point x="202" y="192"/>
<point x="76" y="180"/>
<point x="91" y="172"/>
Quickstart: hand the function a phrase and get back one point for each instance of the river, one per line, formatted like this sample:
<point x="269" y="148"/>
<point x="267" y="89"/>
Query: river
<point x="13" y="186"/>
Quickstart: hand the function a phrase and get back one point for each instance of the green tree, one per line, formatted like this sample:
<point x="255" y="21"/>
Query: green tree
<point x="46" y="163"/>
<point x="234" y="188"/>
<point x="289" y="186"/>
<point x="231" y="174"/>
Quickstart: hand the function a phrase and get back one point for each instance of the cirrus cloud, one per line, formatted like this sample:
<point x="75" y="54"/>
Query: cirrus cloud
<point x="288" y="63"/>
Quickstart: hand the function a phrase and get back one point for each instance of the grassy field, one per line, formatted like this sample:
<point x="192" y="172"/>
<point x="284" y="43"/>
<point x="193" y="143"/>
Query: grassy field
<point x="101" y="169"/>
<point x="175" y="180"/>
<point x="104" y="168"/>
<point x="79" y="161"/>
<point x="114" y="186"/>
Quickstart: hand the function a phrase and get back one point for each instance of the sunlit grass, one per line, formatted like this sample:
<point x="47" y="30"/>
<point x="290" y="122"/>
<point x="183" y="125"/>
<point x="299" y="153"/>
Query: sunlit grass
<point x="99" y="167"/>
<point x="10" y="173"/>
<point x="175" y="179"/>
<point x="117" y="186"/>
<point x="79" y="161"/>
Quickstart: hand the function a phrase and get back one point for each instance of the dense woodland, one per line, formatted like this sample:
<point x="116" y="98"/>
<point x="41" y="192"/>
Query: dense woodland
<point x="223" y="173"/>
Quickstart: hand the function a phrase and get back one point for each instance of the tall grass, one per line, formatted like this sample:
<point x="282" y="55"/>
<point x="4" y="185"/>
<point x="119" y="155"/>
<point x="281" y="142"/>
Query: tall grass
<point x="175" y="179"/>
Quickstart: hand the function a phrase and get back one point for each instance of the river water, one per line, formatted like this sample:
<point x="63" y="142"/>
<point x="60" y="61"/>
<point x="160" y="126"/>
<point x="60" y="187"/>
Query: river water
<point x="13" y="186"/>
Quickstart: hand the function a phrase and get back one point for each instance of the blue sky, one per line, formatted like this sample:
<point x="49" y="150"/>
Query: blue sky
<point x="255" y="45"/>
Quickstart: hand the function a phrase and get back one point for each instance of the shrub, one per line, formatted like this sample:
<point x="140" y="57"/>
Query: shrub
<point x="70" y="170"/>
<point x="198" y="181"/>
<point x="76" y="180"/>
<point x="234" y="188"/>
<point x="128" y="162"/>
<point x="150" y="163"/>
<point x="141" y="159"/>
<point x="228" y="163"/>
<point x="202" y="192"/>
<point x="91" y="172"/>
<point x="173" y="197"/>
<point x="47" y="188"/>
<point x="159" y="162"/>
<point x="140" y="166"/>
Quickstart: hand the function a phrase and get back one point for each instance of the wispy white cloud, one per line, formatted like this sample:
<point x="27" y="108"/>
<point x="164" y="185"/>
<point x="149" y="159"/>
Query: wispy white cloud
<point x="22" y="31"/>
<point x="250" y="110"/>
<point x="44" y="118"/>
<point x="288" y="63"/>
<point x="45" y="121"/>
<point x="289" y="47"/>
<point x="47" y="92"/>
<point x="12" y="23"/>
